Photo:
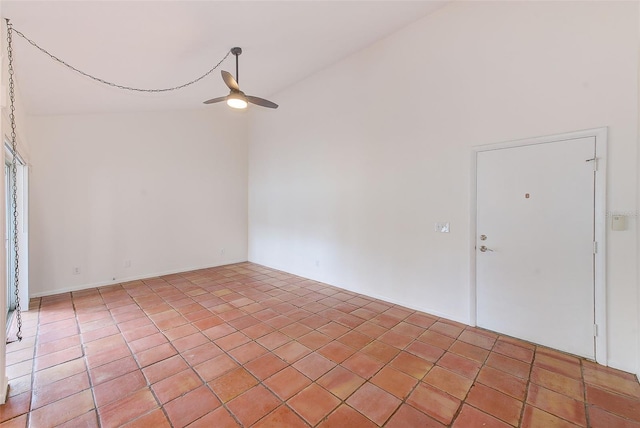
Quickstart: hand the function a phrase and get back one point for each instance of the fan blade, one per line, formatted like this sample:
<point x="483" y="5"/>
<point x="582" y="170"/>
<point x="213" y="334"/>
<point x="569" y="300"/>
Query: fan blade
<point x="261" y="102"/>
<point x="215" y="100"/>
<point x="230" y="81"/>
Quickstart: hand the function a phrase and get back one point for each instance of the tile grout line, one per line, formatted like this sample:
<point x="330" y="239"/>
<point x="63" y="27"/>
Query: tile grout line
<point x="33" y="363"/>
<point x="584" y="394"/>
<point x="404" y="401"/>
<point x="85" y="358"/>
<point x="526" y="389"/>
<point x="133" y="355"/>
<point x="482" y="364"/>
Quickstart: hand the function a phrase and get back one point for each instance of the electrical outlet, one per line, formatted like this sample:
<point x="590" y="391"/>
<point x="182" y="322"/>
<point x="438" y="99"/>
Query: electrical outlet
<point x="442" y="227"/>
<point x="76" y="270"/>
<point x="221" y="252"/>
<point x="127" y="263"/>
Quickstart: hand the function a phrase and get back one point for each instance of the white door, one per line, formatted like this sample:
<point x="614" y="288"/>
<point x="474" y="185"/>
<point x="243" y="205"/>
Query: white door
<point x="535" y="243"/>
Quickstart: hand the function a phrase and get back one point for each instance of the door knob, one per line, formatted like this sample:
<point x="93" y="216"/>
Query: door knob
<point x="484" y="249"/>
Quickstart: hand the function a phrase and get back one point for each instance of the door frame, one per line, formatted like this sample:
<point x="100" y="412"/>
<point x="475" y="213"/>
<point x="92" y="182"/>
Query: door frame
<point x="600" y="226"/>
<point x="22" y="183"/>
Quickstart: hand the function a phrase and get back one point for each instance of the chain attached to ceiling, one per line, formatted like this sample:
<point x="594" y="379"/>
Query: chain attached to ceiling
<point x="106" y="82"/>
<point x="14" y="144"/>
<point x="14" y="186"/>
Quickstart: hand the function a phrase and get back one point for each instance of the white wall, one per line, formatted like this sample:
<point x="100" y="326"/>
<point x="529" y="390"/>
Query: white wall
<point x="347" y="180"/>
<point x="166" y="191"/>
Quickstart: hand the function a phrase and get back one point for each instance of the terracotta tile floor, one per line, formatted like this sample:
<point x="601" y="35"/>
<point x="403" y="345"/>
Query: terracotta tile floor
<point x="243" y="345"/>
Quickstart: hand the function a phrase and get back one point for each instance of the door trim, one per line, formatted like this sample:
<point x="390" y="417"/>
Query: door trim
<point x="600" y="226"/>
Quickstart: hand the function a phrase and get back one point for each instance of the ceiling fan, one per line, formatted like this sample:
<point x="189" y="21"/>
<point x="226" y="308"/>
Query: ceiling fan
<point x="237" y="98"/>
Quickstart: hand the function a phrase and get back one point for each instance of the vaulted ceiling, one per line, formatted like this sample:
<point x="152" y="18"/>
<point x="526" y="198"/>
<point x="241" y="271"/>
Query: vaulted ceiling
<point x="155" y="44"/>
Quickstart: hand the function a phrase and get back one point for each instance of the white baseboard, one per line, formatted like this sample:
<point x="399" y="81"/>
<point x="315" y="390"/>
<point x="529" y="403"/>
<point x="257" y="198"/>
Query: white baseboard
<point x="129" y="279"/>
<point x="4" y="389"/>
<point x="425" y="310"/>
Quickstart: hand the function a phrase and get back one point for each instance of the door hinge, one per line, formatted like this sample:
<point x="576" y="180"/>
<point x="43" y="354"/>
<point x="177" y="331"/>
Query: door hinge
<point x="595" y="247"/>
<point x="595" y="330"/>
<point x="595" y="163"/>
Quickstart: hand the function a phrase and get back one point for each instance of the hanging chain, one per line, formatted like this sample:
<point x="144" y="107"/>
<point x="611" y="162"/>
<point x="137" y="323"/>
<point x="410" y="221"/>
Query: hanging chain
<point x="14" y="146"/>
<point x="14" y="174"/>
<point x="115" y="85"/>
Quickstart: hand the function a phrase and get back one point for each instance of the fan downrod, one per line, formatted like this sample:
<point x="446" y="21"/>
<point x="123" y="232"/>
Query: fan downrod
<point x="237" y="98"/>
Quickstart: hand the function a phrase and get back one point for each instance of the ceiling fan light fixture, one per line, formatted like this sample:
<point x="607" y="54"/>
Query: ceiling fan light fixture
<point x="237" y="100"/>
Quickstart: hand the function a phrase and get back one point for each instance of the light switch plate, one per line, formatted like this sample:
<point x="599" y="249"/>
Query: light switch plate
<point x="442" y="227"/>
<point x="618" y="222"/>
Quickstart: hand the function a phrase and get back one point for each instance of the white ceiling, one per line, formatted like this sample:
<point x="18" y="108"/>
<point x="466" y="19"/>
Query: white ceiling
<point x="154" y="44"/>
